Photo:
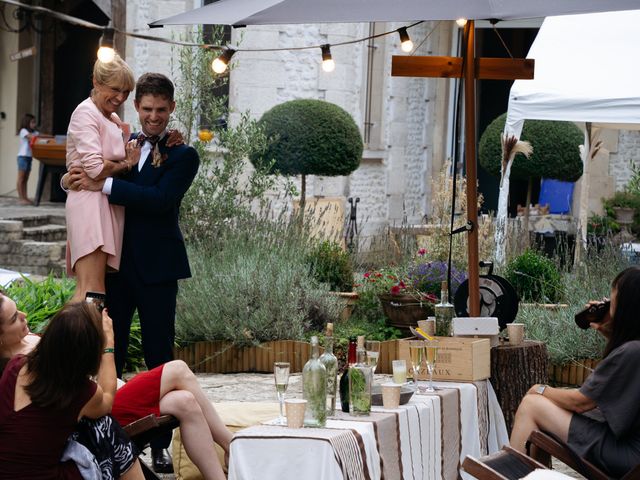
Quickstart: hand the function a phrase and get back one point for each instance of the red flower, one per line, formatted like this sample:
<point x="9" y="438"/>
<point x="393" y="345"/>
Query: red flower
<point x="395" y="290"/>
<point x="402" y="285"/>
<point x="422" y="252"/>
<point x="378" y="274"/>
<point x="366" y="275"/>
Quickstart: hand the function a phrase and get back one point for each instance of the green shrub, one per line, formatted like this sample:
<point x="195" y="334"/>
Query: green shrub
<point x="310" y="137"/>
<point x="535" y="277"/>
<point x="251" y="285"/>
<point x="590" y="280"/>
<point x="555" y="154"/>
<point x="332" y="265"/>
<point x="602" y="225"/>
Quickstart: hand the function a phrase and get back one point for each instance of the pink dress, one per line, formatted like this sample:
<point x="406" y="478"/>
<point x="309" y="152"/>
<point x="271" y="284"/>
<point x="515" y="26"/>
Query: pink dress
<point x="92" y="222"/>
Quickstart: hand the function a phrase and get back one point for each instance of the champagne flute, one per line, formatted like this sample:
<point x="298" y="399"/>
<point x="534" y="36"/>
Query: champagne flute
<point x="432" y="355"/>
<point x="281" y="374"/>
<point x="416" y="350"/>
<point x="373" y="353"/>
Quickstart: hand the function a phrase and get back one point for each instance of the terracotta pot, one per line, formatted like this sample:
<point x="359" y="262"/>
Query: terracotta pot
<point x="404" y="311"/>
<point x="624" y="215"/>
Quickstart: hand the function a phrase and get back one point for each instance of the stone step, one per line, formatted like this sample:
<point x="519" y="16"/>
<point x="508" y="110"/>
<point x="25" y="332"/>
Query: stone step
<point x="45" y="233"/>
<point x="32" y="220"/>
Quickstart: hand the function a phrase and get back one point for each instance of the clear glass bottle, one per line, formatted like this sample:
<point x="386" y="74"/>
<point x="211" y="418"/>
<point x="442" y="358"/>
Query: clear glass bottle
<point x="360" y="382"/>
<point x="344" y="380"/>
<point x="444" y="313"/>
<point x="314" y="388"/>
<point x="330" y="362"/>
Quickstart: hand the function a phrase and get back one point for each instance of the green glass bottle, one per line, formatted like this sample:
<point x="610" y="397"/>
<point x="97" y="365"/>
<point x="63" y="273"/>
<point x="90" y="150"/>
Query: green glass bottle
<point x="360" y="382"/>
<point x="330" y="362"/>
<point x="444" y="312"/>
<point x="314" y="388"/>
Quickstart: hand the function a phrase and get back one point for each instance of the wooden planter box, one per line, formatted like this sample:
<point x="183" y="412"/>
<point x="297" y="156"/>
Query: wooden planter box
<point x="459" y="359"/>
<point x="573" y="374"/>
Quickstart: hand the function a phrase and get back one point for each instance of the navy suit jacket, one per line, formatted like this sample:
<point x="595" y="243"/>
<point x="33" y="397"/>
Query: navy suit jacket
<point x="153" y="245"/>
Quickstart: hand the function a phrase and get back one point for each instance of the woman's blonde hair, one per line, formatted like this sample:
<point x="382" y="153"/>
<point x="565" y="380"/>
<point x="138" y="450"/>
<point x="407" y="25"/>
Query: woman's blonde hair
<point x="115" y="74"/>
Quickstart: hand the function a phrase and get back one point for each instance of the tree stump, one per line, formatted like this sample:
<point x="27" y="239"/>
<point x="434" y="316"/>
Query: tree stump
<point x="514" y="368"/>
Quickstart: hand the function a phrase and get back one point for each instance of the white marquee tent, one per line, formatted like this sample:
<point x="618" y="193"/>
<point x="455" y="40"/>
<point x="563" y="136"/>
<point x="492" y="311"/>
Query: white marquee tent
<point x="587" y="70"/>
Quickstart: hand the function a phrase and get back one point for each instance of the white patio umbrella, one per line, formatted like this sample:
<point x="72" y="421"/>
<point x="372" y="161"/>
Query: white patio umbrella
<point x="268" y="12"/>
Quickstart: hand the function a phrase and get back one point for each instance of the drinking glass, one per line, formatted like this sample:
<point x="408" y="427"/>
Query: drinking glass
<point x="281" y="374"/>
<point x="373" y="353"/>
<point x="431" y="350"/>
<point x="417" y="353"/>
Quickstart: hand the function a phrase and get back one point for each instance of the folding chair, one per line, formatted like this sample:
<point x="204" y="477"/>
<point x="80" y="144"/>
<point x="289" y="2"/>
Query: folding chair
<point x="543" y="445"/>
<point x="142" y="431"/>
<point x="507" y="464"/>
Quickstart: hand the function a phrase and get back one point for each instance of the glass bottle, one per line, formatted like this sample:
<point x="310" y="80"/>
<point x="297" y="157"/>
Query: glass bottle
<point x="344" y="380"/>
<point x="314" y="388"/>
<point x="444" y="313"/>
<point x="330" y="362"/>
<point x="360" y="382"/>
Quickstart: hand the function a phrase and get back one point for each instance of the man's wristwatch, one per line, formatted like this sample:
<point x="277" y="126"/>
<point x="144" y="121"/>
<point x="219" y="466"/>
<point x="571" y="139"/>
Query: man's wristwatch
<point x="540" y="389"/>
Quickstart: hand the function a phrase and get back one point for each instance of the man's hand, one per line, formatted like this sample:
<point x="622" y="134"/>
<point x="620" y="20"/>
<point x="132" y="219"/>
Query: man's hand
<point x="174" y="138"/>
<point x="78" y="180"/>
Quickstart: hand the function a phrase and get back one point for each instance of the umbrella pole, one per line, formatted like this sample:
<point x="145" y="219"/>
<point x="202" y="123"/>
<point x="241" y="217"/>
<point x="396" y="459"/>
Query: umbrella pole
<point x="471" y="167"/>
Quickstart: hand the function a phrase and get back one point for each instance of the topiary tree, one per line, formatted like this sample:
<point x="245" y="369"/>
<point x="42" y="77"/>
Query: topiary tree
<point x="309" y="137"/>
<point x="555" y="154"/>
<point x="536" y="278"/>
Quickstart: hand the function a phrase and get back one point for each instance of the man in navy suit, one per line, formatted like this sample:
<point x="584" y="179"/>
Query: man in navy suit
<point x="154" y="256"/>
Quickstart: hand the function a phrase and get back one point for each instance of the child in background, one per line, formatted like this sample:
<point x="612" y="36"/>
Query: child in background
<point x="27" y="134"/>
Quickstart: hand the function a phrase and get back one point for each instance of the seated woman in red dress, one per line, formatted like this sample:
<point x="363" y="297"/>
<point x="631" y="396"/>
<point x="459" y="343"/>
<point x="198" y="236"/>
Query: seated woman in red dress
<point x="168" y="389"/>
<point x="45" y="392"/>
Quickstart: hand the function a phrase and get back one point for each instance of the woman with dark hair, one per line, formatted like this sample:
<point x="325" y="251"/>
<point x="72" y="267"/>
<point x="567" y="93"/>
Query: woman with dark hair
<point x="27" y="132"/>
<point x="601" y="420"/>
<point x="47" y="391"/>
<point x="171" y="388"/>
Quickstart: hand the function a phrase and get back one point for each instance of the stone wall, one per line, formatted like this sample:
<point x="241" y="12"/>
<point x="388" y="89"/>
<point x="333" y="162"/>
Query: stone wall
<point x="628" y="150"/>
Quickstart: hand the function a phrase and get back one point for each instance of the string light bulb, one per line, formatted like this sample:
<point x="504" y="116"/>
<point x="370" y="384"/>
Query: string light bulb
<point x="405" y="41"/>
<point x="328" y="65"/>
<point x="106" y="52"/>
<point x="220" y="64"/>
<point x="461" y="22"/>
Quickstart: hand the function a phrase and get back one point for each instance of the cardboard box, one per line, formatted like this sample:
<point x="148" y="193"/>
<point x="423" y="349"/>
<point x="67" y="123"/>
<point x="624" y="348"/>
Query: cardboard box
<point x="459" y="359"/>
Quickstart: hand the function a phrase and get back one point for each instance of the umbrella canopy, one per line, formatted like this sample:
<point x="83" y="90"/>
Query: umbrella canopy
<point x="268" y="12"/>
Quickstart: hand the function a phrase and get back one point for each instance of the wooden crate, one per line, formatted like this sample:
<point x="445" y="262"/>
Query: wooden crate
<point x="459" y="359"/>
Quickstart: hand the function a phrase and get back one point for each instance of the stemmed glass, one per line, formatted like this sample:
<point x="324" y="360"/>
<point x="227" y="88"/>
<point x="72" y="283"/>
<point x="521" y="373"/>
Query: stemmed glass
<point x="281" y="374"/>
<point x="417" y="352"/>
<point x="432" y="355"/>
<point x="373" y="353"/>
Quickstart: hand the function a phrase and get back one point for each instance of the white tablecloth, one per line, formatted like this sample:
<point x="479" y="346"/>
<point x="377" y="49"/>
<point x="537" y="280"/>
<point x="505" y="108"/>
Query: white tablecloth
<point x="425" y="453"/>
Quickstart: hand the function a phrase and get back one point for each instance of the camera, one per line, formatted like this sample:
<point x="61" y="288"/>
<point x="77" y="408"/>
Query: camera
<point x="592" y="314"/>
<point x="98" y="299"/>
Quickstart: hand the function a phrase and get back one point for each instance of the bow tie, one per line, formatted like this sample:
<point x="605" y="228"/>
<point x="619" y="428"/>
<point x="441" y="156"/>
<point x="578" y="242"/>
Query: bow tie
<point x="153" y="140"/>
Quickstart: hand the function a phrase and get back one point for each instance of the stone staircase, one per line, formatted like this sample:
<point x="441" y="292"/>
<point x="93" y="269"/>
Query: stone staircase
<point x="33" y="244"/>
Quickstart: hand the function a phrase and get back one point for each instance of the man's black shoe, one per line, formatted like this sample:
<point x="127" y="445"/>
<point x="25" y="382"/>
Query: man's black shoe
<point x="162" y="462"/>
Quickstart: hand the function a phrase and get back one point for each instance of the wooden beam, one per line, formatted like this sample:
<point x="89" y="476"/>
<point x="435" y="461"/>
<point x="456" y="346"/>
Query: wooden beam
<point x="451" y="67"/>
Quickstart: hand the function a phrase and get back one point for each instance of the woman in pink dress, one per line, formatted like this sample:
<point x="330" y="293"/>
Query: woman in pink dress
<point x="97" y="141"/>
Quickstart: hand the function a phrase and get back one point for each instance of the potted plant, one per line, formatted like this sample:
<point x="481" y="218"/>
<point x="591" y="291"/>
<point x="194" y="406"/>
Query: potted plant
<point x="624" y="204"/>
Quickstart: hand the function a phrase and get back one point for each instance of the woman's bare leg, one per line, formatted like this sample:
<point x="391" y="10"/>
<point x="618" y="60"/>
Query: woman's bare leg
<point x="134" y="472"/>
<point x="176" y="375"/>
<point x="90" y="271"/>
<point x="537" y="412"/>
<point x="195" y="434"/>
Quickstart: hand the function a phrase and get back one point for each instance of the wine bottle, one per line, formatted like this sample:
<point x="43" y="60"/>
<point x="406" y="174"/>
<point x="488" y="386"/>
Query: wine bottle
<point x="344" y="380"/>
<point x="360" y="382"/>
<point x="330" y="362"/>
<point x="444" y="313"/>
<point x="314" y="388"/>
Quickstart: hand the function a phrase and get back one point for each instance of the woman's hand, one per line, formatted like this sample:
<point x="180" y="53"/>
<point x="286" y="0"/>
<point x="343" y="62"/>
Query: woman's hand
<point x="107" y="328"/>
<point x="174" y="138"/>
<point x="132" y="150"/>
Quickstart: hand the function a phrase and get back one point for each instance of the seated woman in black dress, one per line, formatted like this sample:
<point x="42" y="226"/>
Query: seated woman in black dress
<point x="601" y="420"/>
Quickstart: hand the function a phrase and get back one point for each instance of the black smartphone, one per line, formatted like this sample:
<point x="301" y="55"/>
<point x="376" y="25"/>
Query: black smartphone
<point x="592" y="314"/>
<point x="98" y="299"/>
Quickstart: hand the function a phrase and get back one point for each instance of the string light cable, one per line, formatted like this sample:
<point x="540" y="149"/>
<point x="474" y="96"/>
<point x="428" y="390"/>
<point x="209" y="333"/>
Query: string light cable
<point x="219" y="64"/>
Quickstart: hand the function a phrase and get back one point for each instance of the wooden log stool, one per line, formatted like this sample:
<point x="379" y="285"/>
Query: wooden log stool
<point x="514" y="368"/>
